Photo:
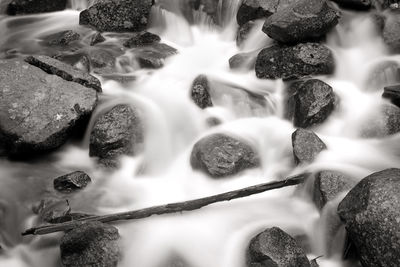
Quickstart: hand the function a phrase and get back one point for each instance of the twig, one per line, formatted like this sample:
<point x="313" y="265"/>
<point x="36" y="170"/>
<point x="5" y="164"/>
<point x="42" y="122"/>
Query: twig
<point x="170" y="208"/>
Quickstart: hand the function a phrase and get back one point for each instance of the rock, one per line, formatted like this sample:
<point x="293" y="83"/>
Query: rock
<point x="293" y="62"/>
<point x="142" y="39"/>
<point x="115" y="133"/>
<point x="255" y="9"/>
<point x="200" y="92"/>
<point x="328" y="185"/>
<point x="391" y="33"/>
<point x="96" y="39"/>
<point x="117" y="16"/>
<point x="63" y="38"/>
<point x="306" y="146"/>
<point x="273" y="247"/>
<point x="313" y="102"/>
<point x="90" y="244"/>
<point x="371" y="214"/>
<point x="20" y="7"/>
<point x="392" y="93"/>
<point x="38" y="111"/>
<point x="244" y="32"/>
<point x="65" y="71"/>
<point x="71" y="182"/>
<point x="220" y="155"/>
<point x="301" y="21"/>
<point x="354" y="4"/>
<point x="79" y="60"/>
<point x="386" y="121"/>
<point x="244" y="61"/>
<point x="383" y="74"/>
<point x="153" y="56"/>
<point x="51" y="209"/>
<point x="102" y="61"/>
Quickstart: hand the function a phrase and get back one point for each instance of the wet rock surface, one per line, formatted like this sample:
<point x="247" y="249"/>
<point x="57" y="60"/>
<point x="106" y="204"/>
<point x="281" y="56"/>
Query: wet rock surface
<point x="244" y="32"/>
<point x="303" y="20"/>
<point x="117" y="16"/>
<point x="200" y="92"/>
<point x="293" y="62"/>
<point x="255" y="9"/>
<point x="312" y="102"/>
<point x="383" y="122"/>
<point x="38" y="111"/>
<point x="220" y="155"/>
<point x="274" y="247"/>
<point x="115" y="133"/>
<point x="391" y="34"/>
<point x="393" y="94"/>
<point x="355" y="4"/>
<point x="65" y="71"/>
<point x="91" y="244"/>
<point x="306" y="146"/>
<point x="19" y="7"/>
<point x="245" y="61"/>
<point x="71" y="182"/>
<point x="371" y="214"/>
<point x="142" y="39"/>
<point x="62" y="38"/>
<point x="153" y="57"/>
<point x="96" y="39"/>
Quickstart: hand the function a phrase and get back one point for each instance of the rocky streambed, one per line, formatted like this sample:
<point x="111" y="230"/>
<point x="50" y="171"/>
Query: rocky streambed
<point x="109" y="106"/>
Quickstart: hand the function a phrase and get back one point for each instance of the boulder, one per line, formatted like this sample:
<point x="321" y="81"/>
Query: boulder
<point x="301" y="21"/>
<point x="142" y="39"/>
<point x="294" y="62"/>
<point x="20" y="7"/>
<point x="392" y="93"/>
<point x="220" y="155"/>
<point x="306" y="146"/>
<point x="96" y="39"/>
<point x="38" y="111"/>
<point x="117" y="132"/>
<point x="275" y="248"/>
<point x="117" y="16"/>
<point x="62" y="38"/>
<point x="255" y="9"/>
<point x="90" y="244"/>
<point x="312" y="102"/>
<point x="153" y="57"/>
<point x="200" y="92"/>
<point x="354" y="4"/>
<point x="245" y="61"/>
<point x="391" y="33"/>
<point x="65" y="71"/>
<point x="71" y="182"/>
<point x="385" y="121"/>
<point x="371" y="214"/>
<point x="328" y="185"/>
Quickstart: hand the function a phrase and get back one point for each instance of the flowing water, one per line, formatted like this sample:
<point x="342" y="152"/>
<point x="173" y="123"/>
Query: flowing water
<point x="216" y="235"/>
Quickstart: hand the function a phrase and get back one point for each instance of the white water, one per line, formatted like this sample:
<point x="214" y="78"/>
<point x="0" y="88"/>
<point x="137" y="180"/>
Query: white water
<point x="215" y="236"/>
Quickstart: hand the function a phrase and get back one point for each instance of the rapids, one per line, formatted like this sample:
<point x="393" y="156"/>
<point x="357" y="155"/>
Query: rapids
<point x="217" y="235"/>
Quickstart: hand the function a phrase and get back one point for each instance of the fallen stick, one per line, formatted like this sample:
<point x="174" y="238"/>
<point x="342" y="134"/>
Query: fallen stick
<point x="170" y="208"/>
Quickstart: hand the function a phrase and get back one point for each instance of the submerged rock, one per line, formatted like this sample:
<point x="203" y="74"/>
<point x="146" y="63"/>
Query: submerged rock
<point x="220" y="155"/>
<point x="385" y="121"/>
<point x="71" y="182"/>
<point x="90" y="244"/>
<point x="383" y="74"/>
<point x="65" y="71"/>
<point x="200" y="92"/>
<point x="245" y="61"/>
<point x="274" y="247"/>
<point x="142" y="39"/>
<point x="79" y="60"/>
<point x="154" y="56"/>
<point x="313" y="102"/>
<point x="306" y="146"/>
<point x="393" y="94"/>
<point x="51" y="209"/>
<point x="97" y="38"/>
<point x="115" y="133"/>
<point x="371" y="214"/>
<point x="255" y="9"/>
<point x="102" y="61"/>
<point x="63" y="38"/>
<point x="293" y="62"/>
<point x="38" y="111"/>
<point x="301" y="21"/>
<point x="244" y="32"/>
<point x="117" y="16"/>
<point x="19" y="7"/>
<point x="391" y="33"/>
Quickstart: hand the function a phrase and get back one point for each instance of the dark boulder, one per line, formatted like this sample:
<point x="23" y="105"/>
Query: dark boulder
<point x="275" y="248"/>
<point x="65" y="71"/>
<point x="63" y="38"/>
<point x="392" y="93"/>
<point x="38" y="111"/>
<point x="71" y="182"/>
<point x="391" y="33"/>
<point x="200" y="92"/>
<point x="313" y="101"/>
<point x="255" y="9"/>
<point x="153" y="57"/>
<point x="328" y="185"/>
<point x="117" y="16"/>
<point x="142" y="39"/>
<point x="19" y="7"/>
<point x="354" y="4"/>
<point x="371" y="214"/>
<point x="385" y="121"/>
<point x="96" y="39"/>
<point x="301" y="21"/>
<point x="220" y="155"/>
<point x="115" y="133"/>
<point x="90" y="244"/>
<point x="293" y="62"/>
<point x="306" y="146"/>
